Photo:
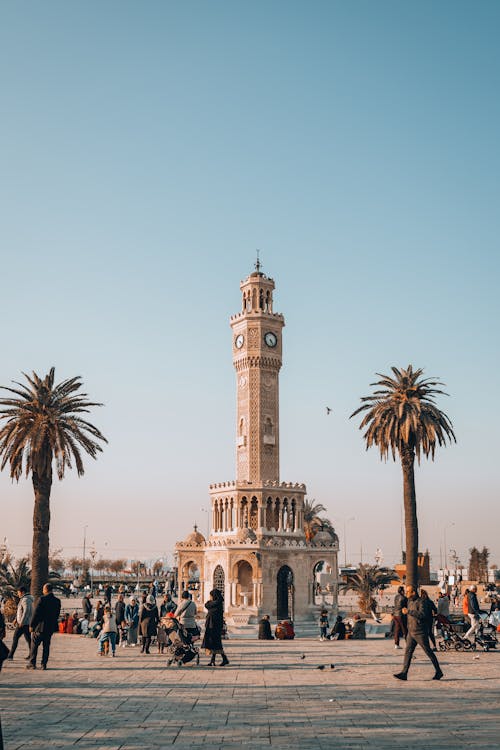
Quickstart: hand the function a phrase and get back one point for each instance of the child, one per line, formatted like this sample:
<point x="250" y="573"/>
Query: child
<point x="323" y="624"/>
<point x="109" y="631"/>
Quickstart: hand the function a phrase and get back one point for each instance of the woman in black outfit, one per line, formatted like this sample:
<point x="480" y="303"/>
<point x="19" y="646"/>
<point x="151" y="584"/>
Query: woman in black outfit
<point x="212" y="640"/>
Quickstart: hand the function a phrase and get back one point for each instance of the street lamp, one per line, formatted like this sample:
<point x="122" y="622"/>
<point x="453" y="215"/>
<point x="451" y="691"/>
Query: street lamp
<point x="93" y="554"/>
<point x="346" y="521"/>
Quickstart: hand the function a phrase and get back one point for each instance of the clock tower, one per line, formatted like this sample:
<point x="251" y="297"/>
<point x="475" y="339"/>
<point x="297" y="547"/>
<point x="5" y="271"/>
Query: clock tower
<point x="259" y="553"/>
<point x="257" y="352"/>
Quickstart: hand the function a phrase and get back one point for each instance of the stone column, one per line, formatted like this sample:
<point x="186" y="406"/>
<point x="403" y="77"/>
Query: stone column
<point x="280" y="516"/>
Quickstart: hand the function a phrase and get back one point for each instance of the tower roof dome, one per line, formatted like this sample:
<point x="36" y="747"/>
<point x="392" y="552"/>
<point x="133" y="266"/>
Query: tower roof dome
<point x="325" y="536"/>
<point x="195" y="537"/>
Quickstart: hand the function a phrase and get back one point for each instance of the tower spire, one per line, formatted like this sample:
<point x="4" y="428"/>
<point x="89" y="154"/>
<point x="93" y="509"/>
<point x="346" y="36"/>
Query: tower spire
<point x="258" y="264"/>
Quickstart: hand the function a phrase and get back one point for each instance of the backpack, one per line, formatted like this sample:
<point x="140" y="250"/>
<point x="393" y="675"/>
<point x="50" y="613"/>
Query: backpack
<point x="465" y="605"/>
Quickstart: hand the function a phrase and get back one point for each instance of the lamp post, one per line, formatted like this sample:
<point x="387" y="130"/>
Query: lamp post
<point x="346" y="521"/>
<point x="93" y="553"/>
<point x="84" y="544"/>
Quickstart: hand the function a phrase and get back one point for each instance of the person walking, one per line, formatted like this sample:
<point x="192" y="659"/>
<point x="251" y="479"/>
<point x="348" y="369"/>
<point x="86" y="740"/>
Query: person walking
<point x="86" y="606"/>
<point x="148" y="621"/>
<point x="417" y="634"/>
<point x="23" y="619"/>
<point x="108" y="593"/>
<point x="186" y="614"/>
<point x="430" y="611"/>
<point x="214" y="623"/>
<point x="120" y="618"/>
<point x="132" y="619"/>
<point x="400" y="626"/>
<point x="109" y="631"/>
<point x="473" y="612"/>
<point x="44" y="623"/>
<point x="443" y="606"/>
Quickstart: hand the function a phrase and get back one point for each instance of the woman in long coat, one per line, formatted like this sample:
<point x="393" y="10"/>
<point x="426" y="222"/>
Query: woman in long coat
<point x="148" y="621"/>
<point x="214" y="623"/>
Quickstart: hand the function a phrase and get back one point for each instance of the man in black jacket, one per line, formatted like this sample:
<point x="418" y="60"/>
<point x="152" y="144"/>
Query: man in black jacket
<point x="417" y="634"/>
<point x="44" y="623"/>
<point x="87" y="606"/>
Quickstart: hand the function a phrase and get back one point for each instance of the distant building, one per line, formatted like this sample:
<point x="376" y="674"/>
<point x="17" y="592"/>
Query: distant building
<point x="424" y="568"/>
<point x="257" y="553"/>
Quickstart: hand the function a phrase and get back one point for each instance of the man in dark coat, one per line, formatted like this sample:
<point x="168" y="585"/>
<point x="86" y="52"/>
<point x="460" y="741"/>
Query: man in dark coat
<point x="44" y="623"/>
<point x="265" y="629"/>
<point x="87" y="606"/>
<point x="108" y="593"/>
<point x="417" y="634"/>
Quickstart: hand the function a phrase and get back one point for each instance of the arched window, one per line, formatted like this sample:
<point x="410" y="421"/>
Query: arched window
<point x="219" y="579"/>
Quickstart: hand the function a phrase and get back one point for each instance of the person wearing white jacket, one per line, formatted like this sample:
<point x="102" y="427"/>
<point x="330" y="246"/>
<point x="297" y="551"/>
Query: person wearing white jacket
<point x="109" y="631"/>
<point x="23" y="619"/>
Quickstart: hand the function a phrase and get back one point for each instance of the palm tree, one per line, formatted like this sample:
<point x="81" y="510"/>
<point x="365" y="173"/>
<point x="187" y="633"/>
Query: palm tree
<point x="42" y="424"/>
<point x="313" y="520"/>
<point x="12" y="578"/>
<point x="366" y="580"/>
<point x="402" y="419"/>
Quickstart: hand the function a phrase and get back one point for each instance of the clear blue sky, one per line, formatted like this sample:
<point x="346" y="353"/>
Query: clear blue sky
<point x="148" y="148"/>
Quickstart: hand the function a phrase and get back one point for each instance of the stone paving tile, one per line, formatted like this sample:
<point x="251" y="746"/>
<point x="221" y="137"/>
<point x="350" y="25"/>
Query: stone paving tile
<point x="267" y="698"/>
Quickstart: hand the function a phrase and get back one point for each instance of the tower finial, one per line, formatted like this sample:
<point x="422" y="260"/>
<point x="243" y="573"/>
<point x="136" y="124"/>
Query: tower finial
<point x="258" y="264"/>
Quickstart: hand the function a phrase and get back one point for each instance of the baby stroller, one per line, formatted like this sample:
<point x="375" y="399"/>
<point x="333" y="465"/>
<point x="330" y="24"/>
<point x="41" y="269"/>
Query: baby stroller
<point x="451" y="639"/>
<point x="180" y="643"/>
<point x="486" y="636"/>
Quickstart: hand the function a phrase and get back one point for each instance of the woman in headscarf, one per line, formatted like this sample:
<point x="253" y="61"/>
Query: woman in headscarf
<point x="212" y="640"/>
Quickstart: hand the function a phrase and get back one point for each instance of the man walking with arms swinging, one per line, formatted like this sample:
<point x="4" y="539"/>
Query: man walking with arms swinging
<point x="44" y="624"/>
<point x="417" y="634"/>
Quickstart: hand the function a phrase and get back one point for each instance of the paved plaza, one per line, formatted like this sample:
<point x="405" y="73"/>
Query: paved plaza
<point x="268" y="697"/>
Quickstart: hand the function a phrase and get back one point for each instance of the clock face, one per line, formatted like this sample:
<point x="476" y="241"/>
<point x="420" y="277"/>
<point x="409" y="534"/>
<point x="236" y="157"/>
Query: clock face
<point x="270" y="339"/>
<point x="239" y="341"/>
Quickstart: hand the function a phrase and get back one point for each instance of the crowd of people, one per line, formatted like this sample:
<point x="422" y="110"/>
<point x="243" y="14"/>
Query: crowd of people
<point x="138" y="621"/>
<point x="141" y="621"/>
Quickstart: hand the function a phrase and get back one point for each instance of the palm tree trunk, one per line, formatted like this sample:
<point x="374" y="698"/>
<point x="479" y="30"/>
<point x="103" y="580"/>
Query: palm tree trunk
<point x="41" y="522"/>
<point x="411" y="524"/>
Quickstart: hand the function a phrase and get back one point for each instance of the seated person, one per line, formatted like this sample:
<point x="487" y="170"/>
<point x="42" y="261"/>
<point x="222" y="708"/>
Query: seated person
<point x="265" y="629"/>
<point x="63" y="624"/>
<point x="358" y="630"/>
<point x="339" y="629"/>
<point x="284" y="631"/>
